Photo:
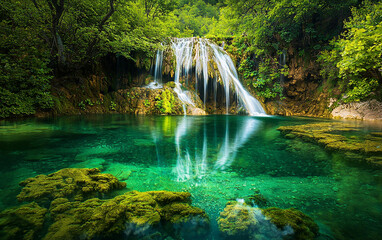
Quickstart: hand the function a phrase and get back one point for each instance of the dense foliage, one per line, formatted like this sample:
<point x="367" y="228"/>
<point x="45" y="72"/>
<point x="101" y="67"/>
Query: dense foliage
<point x="273" y="28"/>
<point x="41" y="40"/>
<point x="355" y="62"/>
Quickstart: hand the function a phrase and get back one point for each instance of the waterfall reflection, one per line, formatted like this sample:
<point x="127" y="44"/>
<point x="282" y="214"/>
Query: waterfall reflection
<point x="207" y="145"/>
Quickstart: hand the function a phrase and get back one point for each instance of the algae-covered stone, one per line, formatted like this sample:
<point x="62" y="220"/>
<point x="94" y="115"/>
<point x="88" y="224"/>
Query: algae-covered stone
<point x="24" y="222"/>
<point x="335" y="137"/>
<point x="69" y="182"/>
<point x="375" y="160"/>
<point x="165" y="197"/>
<point x="237" y="220"/>
<point x="240" y="221"/>
<point x="303" y="226"/>
<point x="97" y="218"/>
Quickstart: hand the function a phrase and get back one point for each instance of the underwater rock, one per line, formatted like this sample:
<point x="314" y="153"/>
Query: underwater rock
<point x="91" y="163"/>
<point x="185" y="221"/>
<point x="68" y="182"/>
<point x="237" y="220"/>
<point x="24" y="222"/>
<point x="303" y="226"/>
<point x="329" y="136"/>
<point x="375" y="160"/>
<point x="166" y="197"/>
<point x="132" y="213"/>
<point x="259" y="200"/>
<point x="240" y="221"/>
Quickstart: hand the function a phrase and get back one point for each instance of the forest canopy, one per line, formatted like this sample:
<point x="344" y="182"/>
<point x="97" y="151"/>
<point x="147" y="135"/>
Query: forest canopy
<point x="43" y="39"/>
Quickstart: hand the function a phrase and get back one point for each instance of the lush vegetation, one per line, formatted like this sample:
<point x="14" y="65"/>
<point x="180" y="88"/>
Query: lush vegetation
<point x="355" y="62"/>
<point x="41" y="40"/>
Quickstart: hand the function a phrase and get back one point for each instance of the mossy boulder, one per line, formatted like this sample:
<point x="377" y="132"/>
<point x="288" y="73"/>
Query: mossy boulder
<point x="337" y="137"/>
<point x="70" y="183"/>
<point x="304" y="228"/>
<point x="166" y="197"/>
<point x="24" y="222"/>
<point x="241" y="221"/>
<point x="141" y="211"/>
<point x="237" y="220"/>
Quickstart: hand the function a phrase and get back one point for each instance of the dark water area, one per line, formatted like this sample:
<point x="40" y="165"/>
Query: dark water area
<point x="215" y="158"/>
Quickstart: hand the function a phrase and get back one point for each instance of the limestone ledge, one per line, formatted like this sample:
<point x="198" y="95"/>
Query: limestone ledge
<point x="332" y="136"/>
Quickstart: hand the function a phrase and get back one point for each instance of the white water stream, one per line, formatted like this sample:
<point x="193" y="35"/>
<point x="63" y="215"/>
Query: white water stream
<point x="202" y="52"/>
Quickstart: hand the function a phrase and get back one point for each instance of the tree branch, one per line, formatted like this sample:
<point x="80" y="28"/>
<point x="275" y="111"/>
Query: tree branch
<point x="108" y="15"/>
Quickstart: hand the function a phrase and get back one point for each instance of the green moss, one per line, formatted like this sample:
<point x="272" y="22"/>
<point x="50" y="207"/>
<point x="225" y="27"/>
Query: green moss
<point x="170" y="84"/>
<point x="69" y="182"/>
<point x="329" y="135"/>
<point x="165" y="102"/>
<point x="181" y="212"/>
<point x="165" y="197"/>
<point x="107" y="218"/>
<point x="303" y="226"/>
<point x="24" y="222"/>
<point x="258" y="200"/>
<point x="237" y="220"/>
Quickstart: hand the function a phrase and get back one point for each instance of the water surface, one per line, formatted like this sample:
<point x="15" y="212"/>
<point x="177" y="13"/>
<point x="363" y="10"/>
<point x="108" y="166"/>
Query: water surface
<point x="215" y="158"/>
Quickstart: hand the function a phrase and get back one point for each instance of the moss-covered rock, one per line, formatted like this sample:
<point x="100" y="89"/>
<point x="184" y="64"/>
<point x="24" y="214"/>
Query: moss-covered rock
<point x="166" y="197"/>
<point x="237" y="220"/>
<point x="24" y="222"/>
<point x="240" y="221"/>
<point x="70" y="183"/>
<point x="303" y="226"/>
<point x="97" y="218"/>
<point x="336" y="137"/>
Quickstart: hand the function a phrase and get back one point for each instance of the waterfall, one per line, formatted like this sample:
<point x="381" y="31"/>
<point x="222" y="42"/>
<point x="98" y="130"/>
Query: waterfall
<point x="158" y="66"/>
<point x="282" y="65"/>
<point x="229" y="77"/>
<point x="202" y="61"/>
<point x="183" y="56"/>
<point x="157" y="71"/>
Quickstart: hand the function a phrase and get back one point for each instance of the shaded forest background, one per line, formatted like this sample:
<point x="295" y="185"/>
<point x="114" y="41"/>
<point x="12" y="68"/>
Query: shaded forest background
<point x="45" y="43"/>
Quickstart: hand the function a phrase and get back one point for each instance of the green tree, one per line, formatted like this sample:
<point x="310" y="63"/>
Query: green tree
<point x="24" y="58"/>
<point x="355" y="60"/>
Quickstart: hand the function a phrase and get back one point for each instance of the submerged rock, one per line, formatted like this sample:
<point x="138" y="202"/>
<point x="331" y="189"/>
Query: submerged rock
<point x="334" y="137"/>
<point x="24" y="222"/>
<point x="240" y="221"/>
<point x="132" y="214"/>
<point x="70" y="183"/>
<point x="304" y="228"/>
<point x="237" y="220"/>
<point x="73" y="214"/>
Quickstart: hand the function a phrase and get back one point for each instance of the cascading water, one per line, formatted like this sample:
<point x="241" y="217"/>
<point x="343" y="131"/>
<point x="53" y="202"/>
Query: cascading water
<point x="183" y="54"/>
<point x="282" y="65"/>
<point x="205" y="54"/>
<point x="157" y="71"/>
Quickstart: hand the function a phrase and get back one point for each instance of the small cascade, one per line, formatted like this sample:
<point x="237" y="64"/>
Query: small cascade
<point x="157" y="71"/>
<point x="183" y="56"/>
<point x="201" y="58"/>
<point x="201" y="62"/>
<point x="282" y="65"/>
<point x="230" y="78"/>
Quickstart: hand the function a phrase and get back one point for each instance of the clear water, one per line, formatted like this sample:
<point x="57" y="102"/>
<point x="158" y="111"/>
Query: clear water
<point x="216" y="158"/>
